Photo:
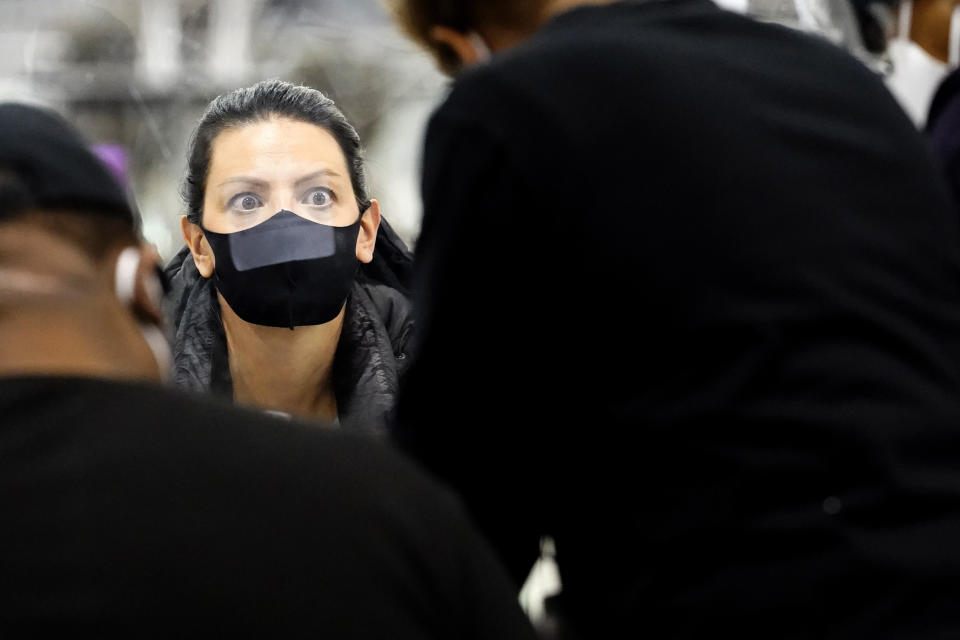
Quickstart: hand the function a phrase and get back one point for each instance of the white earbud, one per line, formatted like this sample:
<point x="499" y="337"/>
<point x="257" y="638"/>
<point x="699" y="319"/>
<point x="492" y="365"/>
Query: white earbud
<point x="128" y="262"/>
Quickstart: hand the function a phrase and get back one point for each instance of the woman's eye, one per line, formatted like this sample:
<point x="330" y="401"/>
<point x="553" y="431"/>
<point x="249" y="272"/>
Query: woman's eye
<point x="245" y="202"/>
<point x="318" y="197"/>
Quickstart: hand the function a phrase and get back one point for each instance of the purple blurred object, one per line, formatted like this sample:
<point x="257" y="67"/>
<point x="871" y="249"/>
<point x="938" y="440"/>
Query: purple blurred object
<point x="115" y="157"/>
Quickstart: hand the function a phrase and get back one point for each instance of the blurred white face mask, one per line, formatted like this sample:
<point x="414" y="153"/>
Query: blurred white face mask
<point x="128" y="262"/>
<point x="916" y="74"/>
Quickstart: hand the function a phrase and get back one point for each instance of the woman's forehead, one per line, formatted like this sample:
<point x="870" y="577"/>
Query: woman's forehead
<point x="273" y="148"/>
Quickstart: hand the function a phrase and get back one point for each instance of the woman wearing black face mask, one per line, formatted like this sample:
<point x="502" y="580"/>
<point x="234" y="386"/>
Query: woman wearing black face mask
<point x="291" y="292"/>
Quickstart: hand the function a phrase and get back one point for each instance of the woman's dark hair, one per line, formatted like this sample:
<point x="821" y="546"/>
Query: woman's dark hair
<point x="418" y="17"/>
<point x="260" y="102"/>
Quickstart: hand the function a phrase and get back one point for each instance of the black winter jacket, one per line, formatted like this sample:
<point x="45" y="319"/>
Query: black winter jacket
<point x="373" y="344"/>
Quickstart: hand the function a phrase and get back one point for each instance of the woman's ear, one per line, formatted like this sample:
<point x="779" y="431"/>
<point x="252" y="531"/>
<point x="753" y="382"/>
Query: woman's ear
<point x="199" y="247"/>
<point x="367" y="239"/>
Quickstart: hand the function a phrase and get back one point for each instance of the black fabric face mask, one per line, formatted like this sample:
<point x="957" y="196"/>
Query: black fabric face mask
<point x="286" y="271"/>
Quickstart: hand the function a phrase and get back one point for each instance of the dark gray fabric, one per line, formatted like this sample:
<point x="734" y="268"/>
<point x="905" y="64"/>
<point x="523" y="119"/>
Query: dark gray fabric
<point x="943" y="133"/>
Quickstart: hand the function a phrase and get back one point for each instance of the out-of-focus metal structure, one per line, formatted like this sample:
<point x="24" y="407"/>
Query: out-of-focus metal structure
<point x="138" y="73"/>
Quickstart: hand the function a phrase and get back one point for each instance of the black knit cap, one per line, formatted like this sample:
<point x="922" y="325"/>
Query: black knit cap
<point x="46" y="164"/>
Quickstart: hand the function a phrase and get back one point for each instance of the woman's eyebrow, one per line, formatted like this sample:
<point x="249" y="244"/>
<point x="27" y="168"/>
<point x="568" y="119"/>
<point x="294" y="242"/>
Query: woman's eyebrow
<point x="316" y="174"/>
<point x="245" y="180"/>
<point x="263" y="183"/>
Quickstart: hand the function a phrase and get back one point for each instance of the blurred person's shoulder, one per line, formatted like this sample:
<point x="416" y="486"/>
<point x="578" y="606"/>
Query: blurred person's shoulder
<point x="634" y="68"/>
<point x="155" y="421"/>
<point x="671" y="42"/>
<point x="299" y="525"/>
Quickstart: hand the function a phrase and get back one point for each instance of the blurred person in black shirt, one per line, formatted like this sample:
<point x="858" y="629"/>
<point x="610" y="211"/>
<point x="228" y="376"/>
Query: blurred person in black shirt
<point x="130" y="510"/>
<point x="711" y="287"/>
